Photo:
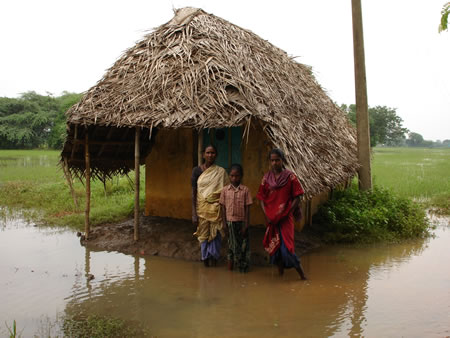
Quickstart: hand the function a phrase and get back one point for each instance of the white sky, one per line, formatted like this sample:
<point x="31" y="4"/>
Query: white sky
<point x="57" y="45"/>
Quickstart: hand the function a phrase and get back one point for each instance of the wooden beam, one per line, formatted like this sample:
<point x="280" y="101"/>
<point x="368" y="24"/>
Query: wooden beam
<point x="88" y="185"/>
<point x="136" y="182"/>
<point x="362" y="115"/>
<point x="129" y="161"/>
<point x="104" y="143"/>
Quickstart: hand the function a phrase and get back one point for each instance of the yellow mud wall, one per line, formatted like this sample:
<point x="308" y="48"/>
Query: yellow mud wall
<point x="168" y="170"/>
<point x="255" y="163"/>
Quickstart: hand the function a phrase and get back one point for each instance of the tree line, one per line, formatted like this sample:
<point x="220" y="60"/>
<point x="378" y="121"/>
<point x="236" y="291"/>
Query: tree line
<point x="386" y="129"/>
<point x="38" y="121"/>
<point x="34" y="121"/>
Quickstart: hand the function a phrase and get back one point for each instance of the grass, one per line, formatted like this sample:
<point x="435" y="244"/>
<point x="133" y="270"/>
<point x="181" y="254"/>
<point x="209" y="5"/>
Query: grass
<point x="422" y="174"/>
<point x="94" y="326"/>
<point x="32" y="182"/>
<point x="89" y="326"/>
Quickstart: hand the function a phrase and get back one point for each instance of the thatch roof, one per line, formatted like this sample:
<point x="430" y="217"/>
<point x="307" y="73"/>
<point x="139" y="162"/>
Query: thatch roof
<point x="200" y="71"/>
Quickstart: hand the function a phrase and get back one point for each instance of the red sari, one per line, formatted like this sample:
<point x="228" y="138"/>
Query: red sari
<point x="277" y="195"/>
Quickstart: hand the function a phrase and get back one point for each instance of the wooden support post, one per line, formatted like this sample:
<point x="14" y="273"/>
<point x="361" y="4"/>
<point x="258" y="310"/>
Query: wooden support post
<point x="137" y="154"/>
<point x="200" y="147"/>
<point x="362" y="115"/>
<point x="87" y="176"/>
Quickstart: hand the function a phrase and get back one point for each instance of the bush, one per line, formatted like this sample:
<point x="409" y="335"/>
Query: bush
<point x="95" y="326"/>
<point x="353" y="216"/>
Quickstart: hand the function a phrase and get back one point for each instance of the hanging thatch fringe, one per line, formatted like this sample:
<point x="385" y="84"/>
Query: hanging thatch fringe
<point x="200" y="71"/>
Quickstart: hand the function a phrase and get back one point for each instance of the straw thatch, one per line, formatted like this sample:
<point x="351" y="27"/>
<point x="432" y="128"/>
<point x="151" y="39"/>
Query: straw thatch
<point x="200" y="71"/>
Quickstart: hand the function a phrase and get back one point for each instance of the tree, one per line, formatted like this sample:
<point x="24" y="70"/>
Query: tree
<point x="58" y="133"/>
<point x="385" y="125"/>
<point x="34" y="120"/>
<point x="415" y="140"/>
<point x="443" y="26"/>
<point x="24" y="130"/>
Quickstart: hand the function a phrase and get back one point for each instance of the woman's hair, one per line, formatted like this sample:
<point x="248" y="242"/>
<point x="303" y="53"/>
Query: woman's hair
<point x="279" y="153"/>
<point x="210" y="146"/>
<point x="238" y="167"/>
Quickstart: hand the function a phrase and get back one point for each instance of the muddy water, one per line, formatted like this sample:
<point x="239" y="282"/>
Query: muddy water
<point x="372" y="291"/>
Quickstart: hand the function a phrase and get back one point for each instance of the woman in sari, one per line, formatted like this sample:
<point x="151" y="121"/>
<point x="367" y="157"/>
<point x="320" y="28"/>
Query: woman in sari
<point x="279" y="194"/>
<point x="207" y="181"/>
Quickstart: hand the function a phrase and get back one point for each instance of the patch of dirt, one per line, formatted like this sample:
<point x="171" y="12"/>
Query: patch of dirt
<point x="168" y="237"/>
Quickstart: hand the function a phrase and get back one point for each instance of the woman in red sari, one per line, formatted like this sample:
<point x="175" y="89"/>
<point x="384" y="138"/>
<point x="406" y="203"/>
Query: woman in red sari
<point x="279" y="194"/>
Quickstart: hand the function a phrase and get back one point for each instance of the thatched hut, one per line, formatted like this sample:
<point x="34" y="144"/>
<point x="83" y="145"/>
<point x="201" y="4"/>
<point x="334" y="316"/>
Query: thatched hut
<point x="200" y="79"/>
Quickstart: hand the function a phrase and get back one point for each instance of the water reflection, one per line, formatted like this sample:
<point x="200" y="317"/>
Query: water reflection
<point x="366" y="291"/>
<point x="27" y="161"/>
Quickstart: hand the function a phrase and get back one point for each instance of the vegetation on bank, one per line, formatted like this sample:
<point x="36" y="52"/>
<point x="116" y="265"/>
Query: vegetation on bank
<point x="92" y="326"/>
<point x="354" y="216"/>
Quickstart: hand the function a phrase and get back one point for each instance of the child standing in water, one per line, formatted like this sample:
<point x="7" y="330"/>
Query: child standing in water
<point x="235" y="201"/>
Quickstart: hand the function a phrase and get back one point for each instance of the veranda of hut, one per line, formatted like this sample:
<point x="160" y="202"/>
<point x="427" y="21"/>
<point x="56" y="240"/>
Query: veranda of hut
<point x="199" y="80"/>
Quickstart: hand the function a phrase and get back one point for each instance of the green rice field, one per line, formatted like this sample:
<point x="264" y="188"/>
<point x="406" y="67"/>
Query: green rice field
<point x="31" y="181"/>
<point x="422" y="174"/>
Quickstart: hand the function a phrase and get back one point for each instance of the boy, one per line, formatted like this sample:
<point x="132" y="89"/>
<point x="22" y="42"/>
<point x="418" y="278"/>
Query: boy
<point x="235" y="201"/>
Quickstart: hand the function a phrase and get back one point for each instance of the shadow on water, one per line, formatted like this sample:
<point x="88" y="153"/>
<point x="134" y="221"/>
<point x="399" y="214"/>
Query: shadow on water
<point x="350" y="291"/>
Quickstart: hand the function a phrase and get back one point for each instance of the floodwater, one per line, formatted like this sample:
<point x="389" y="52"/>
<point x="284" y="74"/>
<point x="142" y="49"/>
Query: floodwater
<point x="372" y="291"/>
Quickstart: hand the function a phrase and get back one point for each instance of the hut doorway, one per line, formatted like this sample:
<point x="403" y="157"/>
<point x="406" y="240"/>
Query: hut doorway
<point x="228" y="144"/>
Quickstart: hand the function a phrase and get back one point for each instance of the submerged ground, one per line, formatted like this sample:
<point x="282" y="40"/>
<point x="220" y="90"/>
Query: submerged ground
<point x="167" y="237"/>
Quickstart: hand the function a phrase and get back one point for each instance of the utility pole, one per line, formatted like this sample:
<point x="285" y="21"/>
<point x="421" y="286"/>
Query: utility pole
<point x="362" y="115"/>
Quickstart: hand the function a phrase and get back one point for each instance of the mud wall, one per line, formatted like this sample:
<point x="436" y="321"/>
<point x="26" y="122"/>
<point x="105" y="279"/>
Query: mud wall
<point x="168" y="171"/>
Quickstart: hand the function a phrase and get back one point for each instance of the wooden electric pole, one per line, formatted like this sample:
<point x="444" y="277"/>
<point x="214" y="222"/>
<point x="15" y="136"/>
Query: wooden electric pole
<point x="362" y="115"/>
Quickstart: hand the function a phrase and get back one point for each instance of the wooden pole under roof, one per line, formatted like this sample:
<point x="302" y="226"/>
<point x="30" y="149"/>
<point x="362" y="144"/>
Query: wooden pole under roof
<point x="88" y="184"/>
<point x="136" y="182"/>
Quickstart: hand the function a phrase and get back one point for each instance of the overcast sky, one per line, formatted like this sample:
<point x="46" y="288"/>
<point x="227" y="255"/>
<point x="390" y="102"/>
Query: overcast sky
<point x="67" y="45"/>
